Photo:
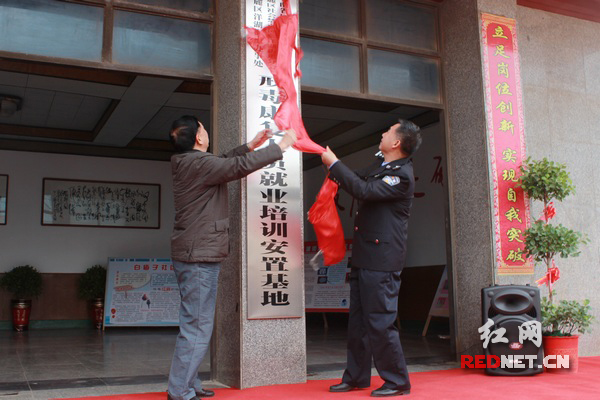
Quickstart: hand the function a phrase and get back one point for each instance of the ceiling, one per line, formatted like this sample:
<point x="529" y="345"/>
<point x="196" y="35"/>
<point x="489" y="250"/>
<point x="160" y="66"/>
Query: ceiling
<point x="121" y="114"/>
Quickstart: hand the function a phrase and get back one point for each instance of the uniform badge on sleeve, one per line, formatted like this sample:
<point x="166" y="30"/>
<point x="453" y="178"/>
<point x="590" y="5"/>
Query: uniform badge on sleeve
<point x="391" y="180"/>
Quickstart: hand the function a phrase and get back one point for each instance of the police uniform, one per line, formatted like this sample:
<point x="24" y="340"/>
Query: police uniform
<point x="385" y="195"/>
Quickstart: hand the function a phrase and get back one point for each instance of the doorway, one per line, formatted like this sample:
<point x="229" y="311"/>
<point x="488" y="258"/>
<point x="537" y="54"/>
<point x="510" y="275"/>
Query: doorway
<point x="352" y="128"/>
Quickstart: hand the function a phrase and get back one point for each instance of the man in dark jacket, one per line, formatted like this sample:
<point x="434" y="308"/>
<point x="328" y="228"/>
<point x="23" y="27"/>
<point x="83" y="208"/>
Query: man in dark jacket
<point x="384" y="191"/>
<point x="200" y="239"/>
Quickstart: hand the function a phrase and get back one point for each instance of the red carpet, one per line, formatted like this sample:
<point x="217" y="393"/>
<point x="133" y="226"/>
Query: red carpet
<point x="449" y="384"/>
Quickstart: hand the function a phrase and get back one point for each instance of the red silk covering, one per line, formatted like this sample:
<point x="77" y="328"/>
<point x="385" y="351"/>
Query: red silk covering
<point x="274" y="45"/>
<point x="328" y="227"/>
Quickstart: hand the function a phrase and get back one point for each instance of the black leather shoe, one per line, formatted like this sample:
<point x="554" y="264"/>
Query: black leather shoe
<point x="170" y="398"/>
<point x="342" y="387"/>
<point x="200" y="394"/>
<point x="385" y="392"/>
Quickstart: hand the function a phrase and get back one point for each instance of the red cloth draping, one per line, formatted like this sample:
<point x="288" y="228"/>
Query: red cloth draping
<point x="274" y="44"/>
<point x="328" y="227"/>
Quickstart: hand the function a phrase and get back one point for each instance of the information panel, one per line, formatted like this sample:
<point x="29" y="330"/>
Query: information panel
<point x="141" y="292"/>
<point x="328" y="288"/>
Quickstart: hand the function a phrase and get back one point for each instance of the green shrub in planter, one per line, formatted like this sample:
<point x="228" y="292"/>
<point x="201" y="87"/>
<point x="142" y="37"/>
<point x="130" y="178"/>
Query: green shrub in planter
<point x="545" y="181"/>
<point x="24" y="282"/>
<point x="92" y="283"/>
<point x="566" y="318"/>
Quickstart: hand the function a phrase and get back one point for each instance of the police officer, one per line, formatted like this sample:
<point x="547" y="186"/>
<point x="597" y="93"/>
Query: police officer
<point x="384" y="191"/>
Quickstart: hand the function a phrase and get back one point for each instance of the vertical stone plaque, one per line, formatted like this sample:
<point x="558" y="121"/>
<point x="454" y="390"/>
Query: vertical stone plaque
<point x="273" y="196"/>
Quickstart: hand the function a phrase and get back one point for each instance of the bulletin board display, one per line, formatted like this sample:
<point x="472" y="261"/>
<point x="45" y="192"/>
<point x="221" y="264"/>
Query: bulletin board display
<point x="141" y="292"/>
<point x="327" y="289"/>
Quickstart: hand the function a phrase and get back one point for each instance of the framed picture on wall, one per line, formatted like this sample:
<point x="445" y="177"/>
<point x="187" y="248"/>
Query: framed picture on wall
<point x="68" y="202"/>
<point x="3" y="198"/>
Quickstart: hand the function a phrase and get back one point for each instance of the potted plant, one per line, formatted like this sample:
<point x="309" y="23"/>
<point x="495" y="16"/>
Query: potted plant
<point x="566" y="318"/>
<point x="91" y="287"/>
<point x="24" y="282"/>
<point x="546" y="181"/>
<point x="562" y="323"/>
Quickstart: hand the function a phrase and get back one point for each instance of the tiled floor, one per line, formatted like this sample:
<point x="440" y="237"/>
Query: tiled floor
<point x="43" y="364"/>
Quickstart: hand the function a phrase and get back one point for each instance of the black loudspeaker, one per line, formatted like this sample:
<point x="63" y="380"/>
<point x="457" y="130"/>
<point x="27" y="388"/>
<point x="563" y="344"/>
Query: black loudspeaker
<point x="509" y="307"/>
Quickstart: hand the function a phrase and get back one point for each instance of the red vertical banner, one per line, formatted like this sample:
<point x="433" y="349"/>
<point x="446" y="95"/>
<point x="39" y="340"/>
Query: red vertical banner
<point x="506" y="142"/>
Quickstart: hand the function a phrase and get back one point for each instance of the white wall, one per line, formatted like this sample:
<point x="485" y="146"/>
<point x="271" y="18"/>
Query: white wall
<point x="426" y="227"/>
<point x="73" y="249"/>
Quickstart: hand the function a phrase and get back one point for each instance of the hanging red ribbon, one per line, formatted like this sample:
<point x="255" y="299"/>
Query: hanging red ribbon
<point x="553" y="273"/>
<point x="551" y="276"/>
<point x="549" y="212"/>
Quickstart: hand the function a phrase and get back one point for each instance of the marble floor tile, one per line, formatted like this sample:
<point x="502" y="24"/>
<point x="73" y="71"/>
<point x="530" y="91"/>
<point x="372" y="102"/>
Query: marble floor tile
<point x="12" y="375"/>
<point x="44" y="364"/>
<point x="52" y="372"/>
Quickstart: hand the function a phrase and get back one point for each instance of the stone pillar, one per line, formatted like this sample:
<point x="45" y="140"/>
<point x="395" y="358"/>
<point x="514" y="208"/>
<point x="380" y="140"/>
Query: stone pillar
<point x="245" y="353"/>
<point x="473" y="262"/>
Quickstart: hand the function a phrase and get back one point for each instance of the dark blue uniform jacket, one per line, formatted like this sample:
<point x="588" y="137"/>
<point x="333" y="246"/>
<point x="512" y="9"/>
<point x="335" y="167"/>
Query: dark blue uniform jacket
<point x="385" y="196"/>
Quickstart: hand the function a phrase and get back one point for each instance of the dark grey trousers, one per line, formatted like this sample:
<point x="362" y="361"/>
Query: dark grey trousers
<point x="372" y="333"/>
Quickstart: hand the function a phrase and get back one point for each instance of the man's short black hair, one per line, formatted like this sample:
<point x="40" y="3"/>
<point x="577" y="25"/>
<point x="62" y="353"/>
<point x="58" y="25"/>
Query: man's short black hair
<point x="410" y="136"/>
<point x="183" y="133"/>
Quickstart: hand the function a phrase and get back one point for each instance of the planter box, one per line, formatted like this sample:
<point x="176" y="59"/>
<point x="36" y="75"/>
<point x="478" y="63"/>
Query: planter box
<point x="562" y="346"/>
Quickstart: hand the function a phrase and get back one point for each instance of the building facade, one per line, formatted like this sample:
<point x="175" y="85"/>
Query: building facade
<point x="91" y="94"/>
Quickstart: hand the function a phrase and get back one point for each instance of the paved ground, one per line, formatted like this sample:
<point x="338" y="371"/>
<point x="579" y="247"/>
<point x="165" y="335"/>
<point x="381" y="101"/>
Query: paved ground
<point x="46" y="364"/>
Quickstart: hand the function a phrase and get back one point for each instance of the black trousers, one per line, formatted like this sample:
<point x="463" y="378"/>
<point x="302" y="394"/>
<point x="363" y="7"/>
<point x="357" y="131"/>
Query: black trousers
<point x="372" y="333"/>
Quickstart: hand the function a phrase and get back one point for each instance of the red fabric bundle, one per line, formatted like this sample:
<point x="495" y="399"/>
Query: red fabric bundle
<point x="328" y="227"/>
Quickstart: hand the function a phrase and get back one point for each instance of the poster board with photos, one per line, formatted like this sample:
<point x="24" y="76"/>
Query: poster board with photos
<point x="327" y="289"/>
<point x="141" y="292"/>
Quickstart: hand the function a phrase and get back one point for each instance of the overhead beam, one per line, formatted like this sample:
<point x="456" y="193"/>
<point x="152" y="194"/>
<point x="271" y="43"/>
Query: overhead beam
<point x="85" y="150"/>
<point x="341" y="151"/>
<point x="149" y="144"/>
<point x="48" y="133"/>
<point x="194" y="87"/>
<point x="422" y="120"/>
<point x="331" y="100"/>
<point x="142" y="100"/>
<point x="335" y="131"/>
<point x="68" y="72"/>
<point x="102" y="121"/>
